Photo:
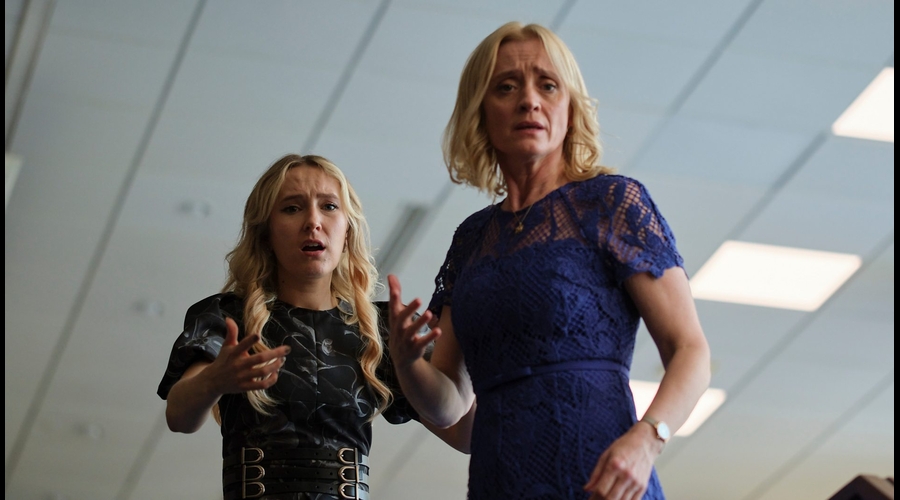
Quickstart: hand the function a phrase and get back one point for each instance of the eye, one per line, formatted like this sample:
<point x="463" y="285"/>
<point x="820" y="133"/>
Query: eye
<point x="290" y="209"/>
<point x="550" y="86"/>
<point x="505" y="87"/>
<point x="330" y="206"/>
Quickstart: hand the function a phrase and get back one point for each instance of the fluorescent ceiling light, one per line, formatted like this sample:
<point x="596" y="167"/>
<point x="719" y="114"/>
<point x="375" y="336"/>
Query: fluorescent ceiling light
<point x="871" y="116"/>
<point x="710" y="401"/>
<point x="772" y="276"/>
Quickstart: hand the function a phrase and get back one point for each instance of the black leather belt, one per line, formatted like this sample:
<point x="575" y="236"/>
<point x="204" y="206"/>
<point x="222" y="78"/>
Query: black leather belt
<point x="346" y="456"/>
<point x="347" y="473"/>
<point x="254" y="472"/>
<point x="256" y="489"/>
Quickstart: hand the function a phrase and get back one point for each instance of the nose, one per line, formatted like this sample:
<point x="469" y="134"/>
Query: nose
<point x="529" y="100"/>
<point x="314" y="221"/>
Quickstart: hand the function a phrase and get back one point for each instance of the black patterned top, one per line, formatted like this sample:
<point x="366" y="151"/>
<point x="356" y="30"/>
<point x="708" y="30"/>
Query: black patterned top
<point x="323" y="399"/>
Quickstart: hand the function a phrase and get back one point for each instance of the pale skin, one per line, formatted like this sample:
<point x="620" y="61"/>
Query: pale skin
<point x="526" y="111"/>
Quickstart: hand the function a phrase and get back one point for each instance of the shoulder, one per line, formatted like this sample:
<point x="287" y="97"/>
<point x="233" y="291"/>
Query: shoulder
<point x="218" y="304"/>
<point x="605" y="183"/>
<point x="477" y="219"/>
<point x="226" y="300"/>
<point x="610" y="190"/>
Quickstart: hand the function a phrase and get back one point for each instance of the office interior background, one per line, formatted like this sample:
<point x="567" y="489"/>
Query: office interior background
<point x="136" y="129"/>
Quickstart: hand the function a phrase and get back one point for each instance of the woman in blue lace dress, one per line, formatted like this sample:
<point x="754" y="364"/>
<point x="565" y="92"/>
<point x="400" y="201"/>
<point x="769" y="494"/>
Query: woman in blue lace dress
<point x="540" y="296"/>
<point x="290" y="357"/>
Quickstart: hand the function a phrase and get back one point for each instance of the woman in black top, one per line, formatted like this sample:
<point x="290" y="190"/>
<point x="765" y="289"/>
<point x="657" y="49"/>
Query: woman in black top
<point x="290" y="357"/>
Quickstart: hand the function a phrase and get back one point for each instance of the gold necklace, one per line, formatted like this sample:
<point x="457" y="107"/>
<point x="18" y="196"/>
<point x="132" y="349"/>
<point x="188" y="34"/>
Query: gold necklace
<point x="520" y="223"/>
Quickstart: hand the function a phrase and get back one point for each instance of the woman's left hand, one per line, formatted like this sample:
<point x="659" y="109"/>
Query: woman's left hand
<point x="406" y="344"/>
<point x="623" y="470"/>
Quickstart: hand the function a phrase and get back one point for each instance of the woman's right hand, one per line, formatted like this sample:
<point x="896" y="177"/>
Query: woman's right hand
<point x="236" y="370"/>
<point x="406" y="345"/>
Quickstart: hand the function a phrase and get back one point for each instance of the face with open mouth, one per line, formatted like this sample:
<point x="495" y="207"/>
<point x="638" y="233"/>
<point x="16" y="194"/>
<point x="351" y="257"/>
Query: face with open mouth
<point x="308" y="227"/>
<point x="526" y="106"/>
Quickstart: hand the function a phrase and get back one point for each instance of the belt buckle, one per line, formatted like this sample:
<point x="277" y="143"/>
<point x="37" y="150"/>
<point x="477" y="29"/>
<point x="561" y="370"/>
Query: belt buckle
<point x="262" y="489"/>
<point x="354" y="468"/>
<point x="355" y="487"/>
<point x="342" y="460"/>
<point x="261" y="472"/>
<point x="244" y="455"/>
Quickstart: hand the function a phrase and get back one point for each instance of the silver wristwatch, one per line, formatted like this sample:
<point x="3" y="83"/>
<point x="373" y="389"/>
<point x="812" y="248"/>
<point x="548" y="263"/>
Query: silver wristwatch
<point x="662" y="430"/>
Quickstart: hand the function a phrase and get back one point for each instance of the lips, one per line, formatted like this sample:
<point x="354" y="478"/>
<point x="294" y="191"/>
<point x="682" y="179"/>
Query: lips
<point x="312" y="246"/>
<point x="529" y="126"/>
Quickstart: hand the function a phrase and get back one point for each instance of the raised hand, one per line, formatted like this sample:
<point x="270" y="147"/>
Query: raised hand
<point x="236" y="370"/>
<point x="406" y="344"/>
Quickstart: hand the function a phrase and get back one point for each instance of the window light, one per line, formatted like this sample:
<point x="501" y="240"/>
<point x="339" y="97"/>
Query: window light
<point x="709" y="402"/>
<point x="871" y="116"/>
<point x="772" y="276"/>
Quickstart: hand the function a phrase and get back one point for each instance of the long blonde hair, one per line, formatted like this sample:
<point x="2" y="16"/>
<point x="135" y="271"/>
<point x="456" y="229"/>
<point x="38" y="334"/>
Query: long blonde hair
<point x="468" y="153"/>
<point x="252" y="271"/>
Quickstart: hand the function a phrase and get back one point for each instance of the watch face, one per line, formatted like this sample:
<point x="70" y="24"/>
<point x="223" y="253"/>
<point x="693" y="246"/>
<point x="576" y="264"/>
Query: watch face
<point x="662" y="430"/>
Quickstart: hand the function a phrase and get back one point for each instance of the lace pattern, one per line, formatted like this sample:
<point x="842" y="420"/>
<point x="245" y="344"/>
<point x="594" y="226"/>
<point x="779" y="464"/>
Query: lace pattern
<point x="553" y="293"/>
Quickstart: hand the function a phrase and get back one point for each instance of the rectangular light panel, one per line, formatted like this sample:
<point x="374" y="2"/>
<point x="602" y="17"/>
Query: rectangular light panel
<point x="772" y="276"/>
<point x="871" y="116"/>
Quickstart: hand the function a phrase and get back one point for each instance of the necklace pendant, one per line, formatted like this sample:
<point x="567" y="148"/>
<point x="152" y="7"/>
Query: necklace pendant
<point x="519" y="227"/>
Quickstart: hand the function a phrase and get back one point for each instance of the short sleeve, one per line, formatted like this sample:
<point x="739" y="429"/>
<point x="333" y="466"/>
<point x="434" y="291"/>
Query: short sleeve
<point x="400" y="411"/>
<point x="638" y="238"/>
<point x="465" y="240"/>
<point x="202" y="338"/>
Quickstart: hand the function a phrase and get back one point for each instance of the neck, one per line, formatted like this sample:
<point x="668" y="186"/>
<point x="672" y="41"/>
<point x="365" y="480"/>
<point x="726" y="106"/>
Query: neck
<point x="315" y="295"/>
<point x="528" y="182"/>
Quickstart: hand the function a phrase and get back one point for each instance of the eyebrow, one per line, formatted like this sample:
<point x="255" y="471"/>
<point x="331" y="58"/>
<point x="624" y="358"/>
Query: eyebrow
<point x="302" y="197"/>
<point x="544" y="72"/>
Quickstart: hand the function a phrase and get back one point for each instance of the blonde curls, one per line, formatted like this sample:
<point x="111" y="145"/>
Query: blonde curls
<point x="252" y="271"/>
<point x="468" y="154"/>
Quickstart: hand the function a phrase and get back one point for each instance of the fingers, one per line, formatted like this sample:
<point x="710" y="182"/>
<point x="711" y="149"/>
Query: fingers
<point x="264" y="371"/>
<point x="613" y="479"/>
<point x="393" y="292"/>
<point x="231" y="332"/>
<point x="598" y="471"/>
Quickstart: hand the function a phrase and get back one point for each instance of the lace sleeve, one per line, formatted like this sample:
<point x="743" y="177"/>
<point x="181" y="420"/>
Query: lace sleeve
<point x="465" y="239"/>
<point x="202" y="338"/>
<point x="638" y="237"/>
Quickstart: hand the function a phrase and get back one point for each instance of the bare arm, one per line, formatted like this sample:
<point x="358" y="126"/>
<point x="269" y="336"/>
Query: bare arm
<point x="458" y="435"/>
<point x="235" y="370"/>
<point x="441" y="390"/>
<point x="668" y="310"/>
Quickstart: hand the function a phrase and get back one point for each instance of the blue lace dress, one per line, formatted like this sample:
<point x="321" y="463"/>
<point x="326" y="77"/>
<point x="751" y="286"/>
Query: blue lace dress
<point x="548" y="331"/>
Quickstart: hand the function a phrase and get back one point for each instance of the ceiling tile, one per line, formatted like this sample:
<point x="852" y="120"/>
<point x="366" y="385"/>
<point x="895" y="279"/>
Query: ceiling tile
<point x="777" y="92"/>
<point x="160" y="23"/>
<point x="637" y="74"/>
<point x="722" y="151"/>
<point x="303" y="33"/>
<point x="809" y="221"/>
<point x="841" y="33"/>
<point x="694" y="22"/>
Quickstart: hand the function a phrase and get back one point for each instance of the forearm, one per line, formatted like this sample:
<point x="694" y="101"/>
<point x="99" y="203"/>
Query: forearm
<point x="687" y="377"/>
<point x="190" y="401"/>
<point x="458" y="435"/>
<point x="434" y="395"/>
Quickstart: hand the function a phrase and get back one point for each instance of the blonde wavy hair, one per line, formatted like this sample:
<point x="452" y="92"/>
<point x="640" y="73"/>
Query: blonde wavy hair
<point x="252" y="271"/>
<point x="468" y="153"/>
